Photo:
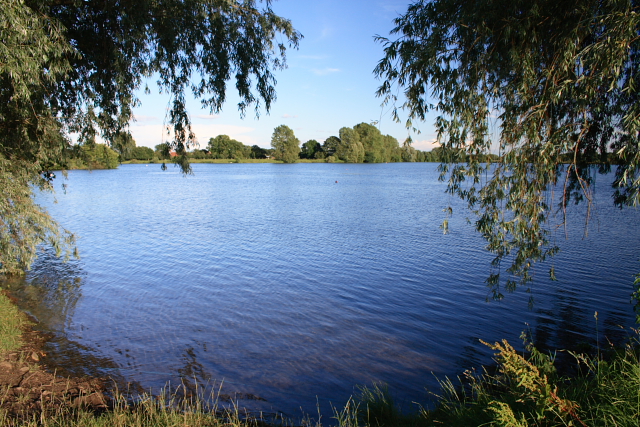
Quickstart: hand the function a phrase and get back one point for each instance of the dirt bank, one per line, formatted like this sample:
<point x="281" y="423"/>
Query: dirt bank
<point x="28" y="386"/>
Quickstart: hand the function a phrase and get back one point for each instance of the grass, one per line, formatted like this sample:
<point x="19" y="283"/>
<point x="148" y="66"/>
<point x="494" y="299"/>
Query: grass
<point x="12" y="323"/>
<point x="152" y="411"/>
<point x="604" y="390"/>
<point x="523" y="391"/>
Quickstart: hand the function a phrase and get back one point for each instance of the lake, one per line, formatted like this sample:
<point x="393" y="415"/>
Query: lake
<point x="296" y="283"/>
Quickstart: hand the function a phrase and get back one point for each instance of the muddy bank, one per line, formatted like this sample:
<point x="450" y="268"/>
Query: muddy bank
<point x="28" y="386"/>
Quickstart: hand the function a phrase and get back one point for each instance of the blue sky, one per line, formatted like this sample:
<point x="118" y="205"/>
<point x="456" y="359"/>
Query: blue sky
<point x="329" y="82"/>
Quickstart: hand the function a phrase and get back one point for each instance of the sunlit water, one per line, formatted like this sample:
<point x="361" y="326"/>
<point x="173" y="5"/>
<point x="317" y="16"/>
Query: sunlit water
<point x="296" y="283"/>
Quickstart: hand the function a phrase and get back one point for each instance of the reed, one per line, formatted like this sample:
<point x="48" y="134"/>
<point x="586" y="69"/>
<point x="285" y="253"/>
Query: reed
<point x="527" y="390"/>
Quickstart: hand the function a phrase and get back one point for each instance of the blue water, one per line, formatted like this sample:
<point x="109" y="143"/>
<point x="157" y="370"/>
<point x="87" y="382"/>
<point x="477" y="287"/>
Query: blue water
<point x="297" y="282"/>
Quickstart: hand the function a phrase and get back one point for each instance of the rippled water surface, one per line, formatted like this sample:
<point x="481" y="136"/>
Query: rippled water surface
<point x="297" y="282"/>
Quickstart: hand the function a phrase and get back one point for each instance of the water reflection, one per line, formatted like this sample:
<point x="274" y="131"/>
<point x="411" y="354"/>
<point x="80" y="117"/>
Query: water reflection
<point x="193" y="372"/>
<point x="50" y="291"/>
<point x="563" y="323"/>
<point x="572" y="324"/>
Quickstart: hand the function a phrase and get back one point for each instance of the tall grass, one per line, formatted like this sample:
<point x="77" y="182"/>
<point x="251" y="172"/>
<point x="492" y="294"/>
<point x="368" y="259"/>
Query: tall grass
<point x="527" y="391"/>
<point x="165" y="410"/>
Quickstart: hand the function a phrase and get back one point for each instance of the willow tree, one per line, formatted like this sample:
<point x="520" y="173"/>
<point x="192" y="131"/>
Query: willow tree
<point x="75" y="66"/>
<point x="285" y="144"/>
<point x="551" y="86"/>
<point x="350" y="148"/>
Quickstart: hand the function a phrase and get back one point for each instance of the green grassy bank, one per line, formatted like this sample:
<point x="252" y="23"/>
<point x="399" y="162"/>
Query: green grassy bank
<point x="12" y="323"/>
<point x="520" y="390"/>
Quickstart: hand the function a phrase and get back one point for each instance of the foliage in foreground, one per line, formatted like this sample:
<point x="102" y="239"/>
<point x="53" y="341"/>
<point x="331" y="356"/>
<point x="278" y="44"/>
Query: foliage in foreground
<point x="523" y="391"/>
<point x="551" y="85"/>
<point x="527" y="391"/>
<point x="72" y="66"/>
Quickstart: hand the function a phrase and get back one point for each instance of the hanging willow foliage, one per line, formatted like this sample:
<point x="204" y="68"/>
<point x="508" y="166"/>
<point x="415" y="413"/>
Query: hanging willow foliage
<point x="549" y="85"/>
<point x="75" y="65"/>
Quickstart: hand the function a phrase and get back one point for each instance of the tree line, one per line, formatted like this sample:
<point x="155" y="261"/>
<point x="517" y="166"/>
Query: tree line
<point x="362" y="138"/>
<point x="364" y="143"/>
<point x="92" y="155"/>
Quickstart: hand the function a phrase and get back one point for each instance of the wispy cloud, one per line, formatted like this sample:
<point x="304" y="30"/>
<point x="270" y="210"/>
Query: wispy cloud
<point x="207" y="116"/>
<point x="326" y="32"/>
<point x="325" y="71"/>
<point x="392" y="8"/>
<point x="289" y="116"/>
<point x="141" y="119"/>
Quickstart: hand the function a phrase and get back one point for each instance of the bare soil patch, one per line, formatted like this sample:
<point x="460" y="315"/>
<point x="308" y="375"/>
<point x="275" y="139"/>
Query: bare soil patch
<point x="28" y="387"/>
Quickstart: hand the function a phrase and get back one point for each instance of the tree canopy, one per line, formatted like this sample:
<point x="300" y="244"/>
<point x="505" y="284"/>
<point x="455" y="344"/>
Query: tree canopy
<point x="73" y="66"/>
<point x="125" y="145"/>
<point x="223" y="147"/>
<point x="549" y="86"/>
<point x="310" y="149"/>
<point x="350" y="147"/>
<point x="285" y="144"/>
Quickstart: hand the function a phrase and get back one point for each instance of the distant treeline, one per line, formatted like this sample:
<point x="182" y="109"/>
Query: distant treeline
<point x="103" y="156"/>
<point x="364" y="143"/>
<point x="361" y="144"/>
<point x="90" y="156"/>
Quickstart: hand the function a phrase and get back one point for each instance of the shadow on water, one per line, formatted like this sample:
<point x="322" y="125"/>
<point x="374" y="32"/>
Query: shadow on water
<point x="563" y="324"/>
<point x="49" y="293"/>
<point x="195" y="380"/>
<point x="572" y="327"/>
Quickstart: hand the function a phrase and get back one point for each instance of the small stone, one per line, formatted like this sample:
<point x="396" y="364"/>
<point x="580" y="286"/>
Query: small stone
<point x="6" y="366"/>
<point x="24" y="370"/>
<point x="97" y="399"/>
<point x="35" y="357"/>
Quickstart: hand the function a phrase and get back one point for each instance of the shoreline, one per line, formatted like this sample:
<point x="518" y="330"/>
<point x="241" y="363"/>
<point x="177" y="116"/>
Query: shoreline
<point x="30" y="388"/>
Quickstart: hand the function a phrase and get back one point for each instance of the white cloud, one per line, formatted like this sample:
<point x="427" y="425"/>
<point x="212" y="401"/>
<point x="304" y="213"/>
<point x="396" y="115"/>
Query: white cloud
<point x="325" y="71"/>
<point x="326" y="32"/>
<point x="289" y="116"/>
<point x="425" y="144"/>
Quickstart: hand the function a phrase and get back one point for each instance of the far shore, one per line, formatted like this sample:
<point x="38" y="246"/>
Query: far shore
<point x="222" y="161"/>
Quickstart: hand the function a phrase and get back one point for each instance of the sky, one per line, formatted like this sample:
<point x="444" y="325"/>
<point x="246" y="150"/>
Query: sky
<point x="328" y="84"/>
